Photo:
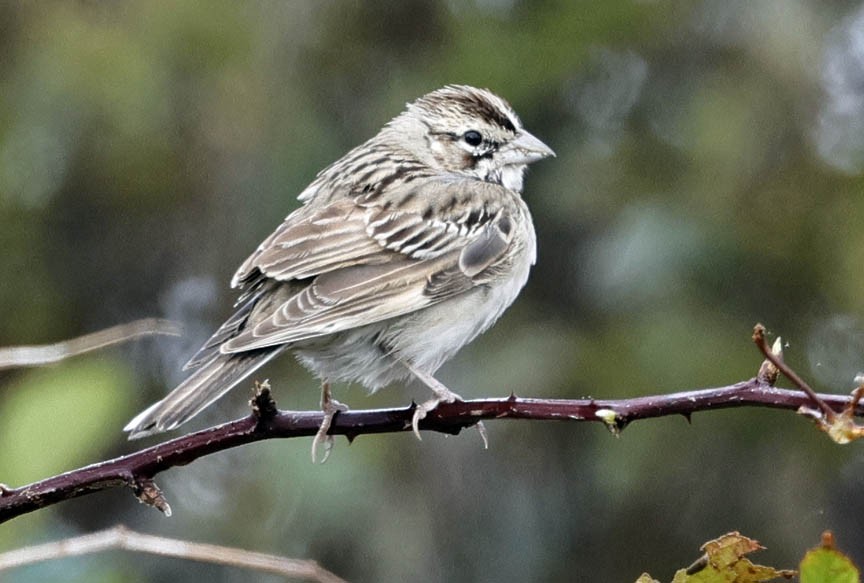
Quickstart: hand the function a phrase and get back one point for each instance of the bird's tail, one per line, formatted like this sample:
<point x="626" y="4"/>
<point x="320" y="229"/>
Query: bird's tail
<point x="213" y="379"/>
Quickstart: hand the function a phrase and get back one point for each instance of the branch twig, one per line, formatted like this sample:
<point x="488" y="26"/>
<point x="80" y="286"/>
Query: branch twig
<point x="120" y="537"/>
<point x="777" y="361"/>
<point x="24" y="356"/>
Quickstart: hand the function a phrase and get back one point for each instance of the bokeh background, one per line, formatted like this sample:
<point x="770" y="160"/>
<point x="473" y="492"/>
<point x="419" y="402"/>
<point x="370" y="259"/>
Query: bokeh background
<point x="709" y="176"/>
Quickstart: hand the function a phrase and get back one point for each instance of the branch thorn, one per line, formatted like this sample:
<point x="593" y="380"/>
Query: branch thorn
<point x="149" y="493"/>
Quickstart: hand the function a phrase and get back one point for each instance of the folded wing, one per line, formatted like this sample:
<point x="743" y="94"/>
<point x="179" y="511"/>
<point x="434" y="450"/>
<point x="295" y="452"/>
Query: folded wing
<point x="363" y="260"/>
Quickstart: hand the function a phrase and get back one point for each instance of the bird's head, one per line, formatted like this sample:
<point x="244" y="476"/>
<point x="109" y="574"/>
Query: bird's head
<point x="468" y="131"/>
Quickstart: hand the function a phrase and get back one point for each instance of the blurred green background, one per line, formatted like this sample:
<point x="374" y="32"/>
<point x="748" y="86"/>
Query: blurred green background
<point x="709" y="175"/>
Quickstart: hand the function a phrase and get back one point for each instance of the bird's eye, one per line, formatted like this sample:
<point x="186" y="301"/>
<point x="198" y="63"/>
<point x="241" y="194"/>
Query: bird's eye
<point x="472" y="138"/>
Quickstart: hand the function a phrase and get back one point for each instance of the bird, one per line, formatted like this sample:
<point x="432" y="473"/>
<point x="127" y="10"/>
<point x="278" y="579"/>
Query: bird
<point x="402" y="252"/>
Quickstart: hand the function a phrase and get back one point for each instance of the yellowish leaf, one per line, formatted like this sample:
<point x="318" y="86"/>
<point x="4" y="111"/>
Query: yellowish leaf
<point x="725" y="561"/>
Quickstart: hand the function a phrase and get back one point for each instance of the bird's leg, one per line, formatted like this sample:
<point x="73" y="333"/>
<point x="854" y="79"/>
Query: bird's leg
<point x="331" y="407"/>
<point x="442" y="395"/>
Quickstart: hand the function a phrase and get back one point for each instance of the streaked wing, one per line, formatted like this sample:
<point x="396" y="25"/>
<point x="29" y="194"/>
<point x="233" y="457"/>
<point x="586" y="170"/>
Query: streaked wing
<point x="369" y="261"/>
<point x="230" y="328"/>
<point x="308" y="244"/>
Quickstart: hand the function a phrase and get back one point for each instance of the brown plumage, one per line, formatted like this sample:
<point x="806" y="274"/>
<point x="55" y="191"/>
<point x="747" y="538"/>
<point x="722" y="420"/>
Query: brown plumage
<point x="405" y="250"/>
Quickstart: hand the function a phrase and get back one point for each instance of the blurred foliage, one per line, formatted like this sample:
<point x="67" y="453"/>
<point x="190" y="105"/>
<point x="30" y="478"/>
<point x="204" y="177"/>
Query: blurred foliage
<point x="709" y="175"/>
<point x="88" y="396"/>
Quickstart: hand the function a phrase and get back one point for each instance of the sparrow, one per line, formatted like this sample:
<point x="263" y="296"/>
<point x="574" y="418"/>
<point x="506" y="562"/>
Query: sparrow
<point x="403" y="251"/>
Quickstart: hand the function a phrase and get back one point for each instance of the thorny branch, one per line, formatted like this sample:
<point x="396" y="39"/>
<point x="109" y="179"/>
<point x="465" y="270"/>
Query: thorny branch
<point x="137" y="470"/>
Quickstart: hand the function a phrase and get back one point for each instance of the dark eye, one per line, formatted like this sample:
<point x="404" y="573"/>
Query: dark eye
<point x="472" y="138"/>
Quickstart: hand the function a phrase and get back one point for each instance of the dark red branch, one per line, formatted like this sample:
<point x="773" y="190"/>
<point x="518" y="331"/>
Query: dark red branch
<point x="777" y="361"/>
<point x="137" y="470"/>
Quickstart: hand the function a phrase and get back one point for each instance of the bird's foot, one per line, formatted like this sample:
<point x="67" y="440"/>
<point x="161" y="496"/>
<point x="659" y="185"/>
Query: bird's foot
<point x="331" y="407"/>
<point x="421" y="410"/>
<point x="442" y="395"/>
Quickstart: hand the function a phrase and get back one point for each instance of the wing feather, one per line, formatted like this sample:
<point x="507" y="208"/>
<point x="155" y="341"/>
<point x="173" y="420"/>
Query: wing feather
<point x="364" y="261"/>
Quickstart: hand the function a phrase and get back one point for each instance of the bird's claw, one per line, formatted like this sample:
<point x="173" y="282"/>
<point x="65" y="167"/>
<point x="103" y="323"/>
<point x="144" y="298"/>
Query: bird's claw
<point x="331" y="407"/>
<point x="421" y="410"/>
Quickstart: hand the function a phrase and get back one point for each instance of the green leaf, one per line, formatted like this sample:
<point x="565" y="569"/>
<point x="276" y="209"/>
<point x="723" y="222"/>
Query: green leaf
<point x="825" y="564"/>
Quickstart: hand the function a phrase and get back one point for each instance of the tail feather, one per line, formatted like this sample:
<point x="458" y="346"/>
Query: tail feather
<point x="213" y="379"/>
<point x="226" y="331"/>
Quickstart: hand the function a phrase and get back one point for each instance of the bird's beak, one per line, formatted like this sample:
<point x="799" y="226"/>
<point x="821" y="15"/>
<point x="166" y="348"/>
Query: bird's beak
<point x="526" y="149"/>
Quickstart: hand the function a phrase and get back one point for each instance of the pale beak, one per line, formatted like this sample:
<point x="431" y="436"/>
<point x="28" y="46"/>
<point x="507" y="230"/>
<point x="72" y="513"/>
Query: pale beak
<point x="525" y="149"/>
